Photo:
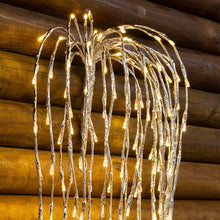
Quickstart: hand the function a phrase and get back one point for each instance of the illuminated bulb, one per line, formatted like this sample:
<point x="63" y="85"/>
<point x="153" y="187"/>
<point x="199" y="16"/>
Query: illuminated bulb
<point x="89" y="43"/>
<point x="103" y="212"/>
<point x="74" y="212"/>
<point x="167" y="142"/>
<point x="178" y="78"/>
<point x="81" y="216"/>
<point x="124" y="124"/>
<point x="170" y="80"/>
<point x="127" y="39"/>
<point x="61" y="38"/>
<point x="154" y="216"/>
<point x="128" y="59"/>
<point x="95" y="32"/>
<point x="157" y="38"/>
<point x="159" y="187"/>
<point x="118" y="54"/>
<point x="184" y="127"/>
<point x="148" y="117"/>
<point x="122" y="29"/>
<point x="52" y="169"/>
<point x="99" y="36"/>
<point x="85" y="16"/>
<point x="145" y="70"/>
<point x="103" y="114"/>
<point x="47" y="119"/>
<point x="187" y="83"/>
<point x="128" y="211"/>
<point x="135" y="105"/>
<point x="169" y="113"/>
<point x="142" y="104"/>
<point x="140" y="188"/>
<point x="80" y="163"/>
<point x="35" y="128"/>
<point x="154" y="171"/>
<point x="63" y="186"/>
<point x="115" y="95"/>
<point x="152" y="125"/>
<point x="150" y="155"/>
<point x="109" y="188"/>
<point x="134" y="146"/>
<point x="90" y="61"/>
<point x="178" y="106"/>
<point x="41" y="175"/>
<point x="59" y="139"/>
<point x="171" y="42"/>
<point x="72" y="16"/>
<point x="51" y="74"/>
<point x="105" y="162"/>
<point x="122" y="173"/>
<point x="105" y="69"/>
<point x="159" y="211"/>
<point x="65" y="94"/>
<point x="34" y="80"/>
<point x="71" y="179"/>
<point x="41" y="38"/>
<point x="159" y="97"/>
<point x="161" y="141"/>
<point x="89" y="14"/>
<point x="169" y="173"/>
<point x="159" y="67"/>
<point x="135" y="193"/>
<point x="71" y="129"/>
<point x="158" y="168"/>
<point x="169" y="217"/>
<point x="85" y="90"/>
<point x="70" y="112"/>
<point x="95" y="138"/>
<point x="68" y="64"/>
<point x="120" y="216"/>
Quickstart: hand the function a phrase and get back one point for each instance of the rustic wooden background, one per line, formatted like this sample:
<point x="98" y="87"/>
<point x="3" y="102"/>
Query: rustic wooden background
<point x="193" y="25"/>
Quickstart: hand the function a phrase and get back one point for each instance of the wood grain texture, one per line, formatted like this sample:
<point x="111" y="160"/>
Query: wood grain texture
<point x="16" y="73"/>
<point x="26" y="207"/>
<point x="187" y="30"/>
<point x="20" y="29"/>
<point x="204" y="107"/>
<point x="16" y="130"/>
<point x="208" y="9"/>
<point x="18" y="175"/>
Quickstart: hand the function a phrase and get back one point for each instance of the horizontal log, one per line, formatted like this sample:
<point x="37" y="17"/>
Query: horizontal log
<point x="207" y="9"/>
<point x="26" y="207"/>
<point x="18" y="175"/>
<point x="204" y="107"/>
<point x="23" y="32"/>
<point x="16" y="73"/>
<point x="16" y="130"/>
<point x="188" y="30"/>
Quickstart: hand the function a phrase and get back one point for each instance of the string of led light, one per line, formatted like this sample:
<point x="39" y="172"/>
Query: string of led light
<point x="161" y="104"/>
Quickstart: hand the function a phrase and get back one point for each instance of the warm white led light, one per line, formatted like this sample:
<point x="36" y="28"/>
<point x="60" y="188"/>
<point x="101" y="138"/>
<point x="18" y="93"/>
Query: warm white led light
<point x="161" y="114"/>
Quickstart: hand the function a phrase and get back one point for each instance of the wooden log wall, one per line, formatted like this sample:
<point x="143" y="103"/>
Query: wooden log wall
<point x="196" y="32"/>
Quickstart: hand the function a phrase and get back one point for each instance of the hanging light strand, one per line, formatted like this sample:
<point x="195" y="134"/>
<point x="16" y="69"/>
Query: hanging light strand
<point x="156" y="101"/>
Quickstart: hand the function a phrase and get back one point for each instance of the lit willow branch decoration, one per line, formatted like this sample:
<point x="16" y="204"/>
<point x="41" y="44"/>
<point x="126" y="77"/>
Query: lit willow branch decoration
<point x="159" y="73"/>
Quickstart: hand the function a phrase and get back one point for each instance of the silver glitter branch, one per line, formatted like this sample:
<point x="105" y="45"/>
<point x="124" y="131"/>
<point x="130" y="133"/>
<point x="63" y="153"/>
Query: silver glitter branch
<point x="159" y="96"/>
